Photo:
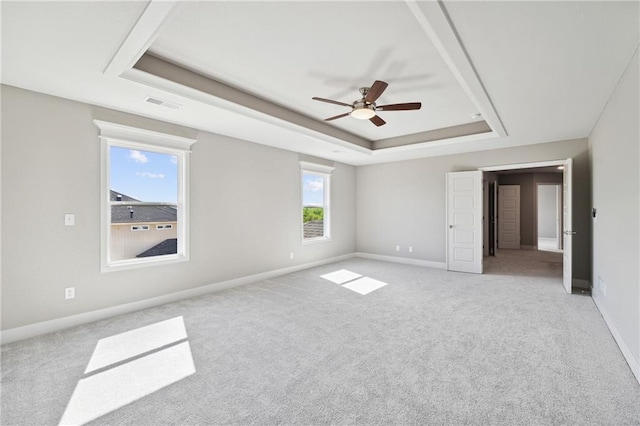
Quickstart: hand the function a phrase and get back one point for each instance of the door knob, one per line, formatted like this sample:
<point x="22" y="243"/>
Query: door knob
<point x="450" y="226"/>
<point x="569" y="232"/>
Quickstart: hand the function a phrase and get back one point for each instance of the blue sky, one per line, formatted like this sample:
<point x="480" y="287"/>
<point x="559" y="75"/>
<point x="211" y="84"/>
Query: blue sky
<point x="146" y="176"/>
<point x="150" y="176"/>
<point x="312" y="190"/>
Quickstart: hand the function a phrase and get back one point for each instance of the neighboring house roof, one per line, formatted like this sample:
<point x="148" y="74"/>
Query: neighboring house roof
<point x="313" y="229"/>
<point x="141" y="214"/>
<point x="169" y="246"/>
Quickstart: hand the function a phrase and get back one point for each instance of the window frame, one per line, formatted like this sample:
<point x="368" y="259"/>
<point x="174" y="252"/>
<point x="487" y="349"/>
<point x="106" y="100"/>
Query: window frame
<point x="112" y="134"/>
<point x="307" y="168"/>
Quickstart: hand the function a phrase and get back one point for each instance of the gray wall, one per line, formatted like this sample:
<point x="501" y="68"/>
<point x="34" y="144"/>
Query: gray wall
<point x="245" y="212"/>
<point x="528" y="200"/>
<point x="547" y="211"/>
<point x="403" y="203"/>
<point x="615" y="160"/>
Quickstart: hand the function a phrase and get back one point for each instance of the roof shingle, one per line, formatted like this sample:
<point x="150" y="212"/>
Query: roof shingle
<point x="139" y="214"/>
<point x="313" y="229"/>
<point x="169" y="246"/>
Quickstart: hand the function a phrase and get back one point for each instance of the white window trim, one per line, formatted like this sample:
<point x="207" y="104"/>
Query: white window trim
<point x="112" y="134"/>
<point x="324" y="172"/>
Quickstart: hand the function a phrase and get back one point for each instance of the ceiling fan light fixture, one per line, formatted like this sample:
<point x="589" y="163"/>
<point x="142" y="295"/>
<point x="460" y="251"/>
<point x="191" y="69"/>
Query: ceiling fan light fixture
<point x="365" y="108"/>
<point x="363" y="113"/>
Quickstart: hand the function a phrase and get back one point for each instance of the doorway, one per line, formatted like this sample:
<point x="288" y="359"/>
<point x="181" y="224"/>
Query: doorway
<point x="549" y="220"/>
<point x="537" y="173"/>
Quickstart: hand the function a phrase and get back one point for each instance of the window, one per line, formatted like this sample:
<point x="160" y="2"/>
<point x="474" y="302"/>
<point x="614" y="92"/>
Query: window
<point x="144" y="197"/>
<point x="316" y="213"/>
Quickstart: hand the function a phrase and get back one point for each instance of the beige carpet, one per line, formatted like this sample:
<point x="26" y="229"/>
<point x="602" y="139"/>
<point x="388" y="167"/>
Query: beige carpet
<point x="430" y="347"/>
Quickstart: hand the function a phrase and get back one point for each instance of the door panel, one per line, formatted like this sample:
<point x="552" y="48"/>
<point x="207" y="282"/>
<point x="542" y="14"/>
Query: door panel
<point x="509" y="216"/>
<point x="464" y="221"/>
<point x="567" y="235"/>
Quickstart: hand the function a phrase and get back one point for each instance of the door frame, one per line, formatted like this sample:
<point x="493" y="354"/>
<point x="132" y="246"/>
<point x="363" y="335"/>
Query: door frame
<point x="568" y="177"/>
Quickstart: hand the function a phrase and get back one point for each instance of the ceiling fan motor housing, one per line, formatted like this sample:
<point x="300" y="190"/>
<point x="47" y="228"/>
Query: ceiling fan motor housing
<point x="363" y="110"/>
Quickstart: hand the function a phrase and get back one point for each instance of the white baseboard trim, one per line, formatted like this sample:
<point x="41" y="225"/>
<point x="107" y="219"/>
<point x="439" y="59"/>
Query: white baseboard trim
<point x="633" y="363"/>
<point x="37" y="329"/>
<point x="404" y="260"/>
<point x="580" y="283"/>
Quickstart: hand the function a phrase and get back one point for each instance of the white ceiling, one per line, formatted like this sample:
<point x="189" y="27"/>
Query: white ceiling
<point x="537" y="71"/>
<point x="296" y="51"/>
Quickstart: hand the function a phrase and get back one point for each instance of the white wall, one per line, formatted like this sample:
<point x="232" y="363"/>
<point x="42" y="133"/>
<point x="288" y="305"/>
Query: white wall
<point x="403" y="203"/>
<point x="245" y="212"/>
<point x="547" y="211"/>
<point x="615" y="161"/>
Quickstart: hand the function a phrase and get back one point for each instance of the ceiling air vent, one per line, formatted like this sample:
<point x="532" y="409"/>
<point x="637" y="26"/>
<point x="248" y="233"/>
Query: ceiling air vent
<point x="160" y="102"/>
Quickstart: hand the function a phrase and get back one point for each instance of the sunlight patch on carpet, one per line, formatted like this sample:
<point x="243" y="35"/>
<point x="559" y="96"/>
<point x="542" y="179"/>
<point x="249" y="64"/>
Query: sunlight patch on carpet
<point x="120" y="347"/>
<point x="135" y="364"/>
<point x="364" y="285"/>
<point x="340" y="277"/>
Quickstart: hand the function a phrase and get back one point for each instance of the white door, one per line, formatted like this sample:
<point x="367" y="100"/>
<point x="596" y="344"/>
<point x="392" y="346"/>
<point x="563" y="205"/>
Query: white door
<point x="567" y="236"/>
<point x="509" y="216"/>
<point x="485" y="218"/>
<point x="464" y="221"/>
<point x="495" y="212"/>
<point x="559" y="217"/>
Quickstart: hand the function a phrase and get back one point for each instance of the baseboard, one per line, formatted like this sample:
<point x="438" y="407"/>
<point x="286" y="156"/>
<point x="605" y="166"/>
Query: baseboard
<point x="528" y="247"/>
<point x="580" y="283"/>
<point x="37" y="329"/>
<point x="404" y="260"/>
<point x="626" y="352"/>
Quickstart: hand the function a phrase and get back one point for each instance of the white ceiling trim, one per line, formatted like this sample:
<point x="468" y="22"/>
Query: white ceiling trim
<point x="435" y="22"/>
<point x="523" y="166"/>
<point x="141" y="36"/>
<point x="148" y="26"/>
<point x="155" y="71"/>
<point x="436" y="143"/>
<point x="295" y="130"/>
<point x="124" y="133"/>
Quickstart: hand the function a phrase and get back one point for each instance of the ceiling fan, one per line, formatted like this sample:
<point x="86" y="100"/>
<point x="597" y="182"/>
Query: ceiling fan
<point x="366" y="108"/>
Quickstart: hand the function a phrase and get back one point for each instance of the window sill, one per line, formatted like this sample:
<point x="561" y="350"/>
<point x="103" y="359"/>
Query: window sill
<point x="122" y="265"/>
<point x="316" y="240"/>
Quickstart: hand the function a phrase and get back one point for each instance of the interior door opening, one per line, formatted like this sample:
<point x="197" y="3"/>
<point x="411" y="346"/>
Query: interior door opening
<point x="549" y="212"/>
<point x="556" y="175"/>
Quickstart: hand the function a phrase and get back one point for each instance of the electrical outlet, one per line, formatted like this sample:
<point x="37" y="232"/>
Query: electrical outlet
<point x="410" y="249"/>
<point x="69" y="219"/>
<point x="602" y="286"/>
<point x="291" y="255"/>
<point x="69" y="292"/>
<point x="397" y="248"/>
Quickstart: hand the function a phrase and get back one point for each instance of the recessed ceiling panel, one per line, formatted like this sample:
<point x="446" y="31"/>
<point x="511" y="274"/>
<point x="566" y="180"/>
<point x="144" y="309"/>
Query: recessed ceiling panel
<point x="298" y="50"/>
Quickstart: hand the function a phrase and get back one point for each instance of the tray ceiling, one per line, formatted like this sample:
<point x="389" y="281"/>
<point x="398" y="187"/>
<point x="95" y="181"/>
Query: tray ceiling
<point x="538" y="72"/>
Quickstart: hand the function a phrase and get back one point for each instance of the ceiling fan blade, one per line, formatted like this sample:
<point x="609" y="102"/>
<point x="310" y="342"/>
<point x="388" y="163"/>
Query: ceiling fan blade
<point x="375" y="91"/>
<point x="337" y="116"/>
<point x="400" y="107"/>
<point x="377" y="121"/>
<point x="331" y="102"/>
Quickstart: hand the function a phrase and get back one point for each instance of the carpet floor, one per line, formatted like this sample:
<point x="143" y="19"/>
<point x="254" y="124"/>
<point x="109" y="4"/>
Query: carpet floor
<point x="508" y="347"/>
